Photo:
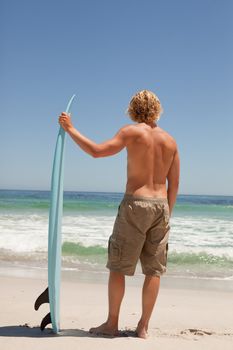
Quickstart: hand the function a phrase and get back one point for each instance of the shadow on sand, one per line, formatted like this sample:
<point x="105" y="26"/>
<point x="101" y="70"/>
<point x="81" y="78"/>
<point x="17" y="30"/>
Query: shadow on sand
<point x="35" y="332"/>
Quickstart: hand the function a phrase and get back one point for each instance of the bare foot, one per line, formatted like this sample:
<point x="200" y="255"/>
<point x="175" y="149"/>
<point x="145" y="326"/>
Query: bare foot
<point x="141" y="331"/>
<point x="104" y="329"/>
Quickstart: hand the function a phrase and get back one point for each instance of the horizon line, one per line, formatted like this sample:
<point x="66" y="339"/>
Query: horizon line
<point x="95" y="191"/>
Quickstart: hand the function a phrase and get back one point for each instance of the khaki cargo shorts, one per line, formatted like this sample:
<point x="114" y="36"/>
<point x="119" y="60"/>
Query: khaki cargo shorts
<point x="141" y="231"/>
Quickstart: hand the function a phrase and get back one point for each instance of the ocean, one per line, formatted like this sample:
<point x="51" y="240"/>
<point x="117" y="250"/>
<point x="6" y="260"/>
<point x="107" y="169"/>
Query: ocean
<point x="200" y="243"/>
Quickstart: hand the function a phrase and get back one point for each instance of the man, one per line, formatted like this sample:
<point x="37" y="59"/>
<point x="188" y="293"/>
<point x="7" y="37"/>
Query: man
<point x="141" y="228"/>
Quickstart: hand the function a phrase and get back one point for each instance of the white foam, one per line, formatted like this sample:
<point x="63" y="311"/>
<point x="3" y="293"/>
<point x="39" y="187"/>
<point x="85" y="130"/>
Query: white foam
<point x="29" y="233"/>
<point x="199" y="234"/>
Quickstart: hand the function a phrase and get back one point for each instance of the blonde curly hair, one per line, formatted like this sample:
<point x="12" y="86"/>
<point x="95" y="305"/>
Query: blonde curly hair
<point x="144" y="107"/>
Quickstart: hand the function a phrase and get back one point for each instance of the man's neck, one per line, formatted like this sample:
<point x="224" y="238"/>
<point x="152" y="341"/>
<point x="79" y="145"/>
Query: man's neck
<point x="152" y="125"/>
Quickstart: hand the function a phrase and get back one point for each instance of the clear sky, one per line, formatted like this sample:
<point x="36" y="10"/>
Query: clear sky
<point x="104" y="51"/>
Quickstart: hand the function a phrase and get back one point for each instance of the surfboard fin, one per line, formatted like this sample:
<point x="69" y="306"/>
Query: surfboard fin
<point x="42" y="299"/>
<point x="46" y="320"/>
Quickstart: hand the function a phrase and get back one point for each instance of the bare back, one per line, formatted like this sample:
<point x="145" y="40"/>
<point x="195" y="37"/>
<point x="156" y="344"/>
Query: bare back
<point x="150" y="155"/>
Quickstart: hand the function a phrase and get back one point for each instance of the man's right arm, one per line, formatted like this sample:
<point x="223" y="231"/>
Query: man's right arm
<point x="104" y="149"/>
<point x="173" y="181"/>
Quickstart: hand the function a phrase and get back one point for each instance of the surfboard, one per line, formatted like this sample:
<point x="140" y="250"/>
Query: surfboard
<point x="51" y="294"/>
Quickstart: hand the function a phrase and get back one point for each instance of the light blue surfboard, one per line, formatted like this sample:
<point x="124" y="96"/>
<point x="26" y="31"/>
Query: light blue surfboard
<point x="52" y="293"/>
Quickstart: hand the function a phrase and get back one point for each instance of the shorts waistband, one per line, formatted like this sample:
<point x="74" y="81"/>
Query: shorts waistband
<point x="145" y="199"/>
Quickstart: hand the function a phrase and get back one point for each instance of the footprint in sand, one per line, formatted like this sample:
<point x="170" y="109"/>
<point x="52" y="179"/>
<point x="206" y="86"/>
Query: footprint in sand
<point x="195" y="331"/>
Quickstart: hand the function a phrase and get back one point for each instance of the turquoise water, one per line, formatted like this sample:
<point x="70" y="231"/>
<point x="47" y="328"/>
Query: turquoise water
<point x="200" y="244"/>
<point x="100" y="201"/>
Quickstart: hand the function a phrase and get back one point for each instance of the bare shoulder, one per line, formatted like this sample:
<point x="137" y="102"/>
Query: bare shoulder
<point x="130" y="130"/>
<point x="169" y="138"/>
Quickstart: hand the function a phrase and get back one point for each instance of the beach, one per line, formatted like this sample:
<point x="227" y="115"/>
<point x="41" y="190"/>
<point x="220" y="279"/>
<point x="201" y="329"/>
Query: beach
<point x="184" y="317"/>
<point x="194" y="306"/>
<point x="152" y="117"/>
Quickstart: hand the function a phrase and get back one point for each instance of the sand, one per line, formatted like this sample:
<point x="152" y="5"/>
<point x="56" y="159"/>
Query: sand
<point x="188" y="317"/>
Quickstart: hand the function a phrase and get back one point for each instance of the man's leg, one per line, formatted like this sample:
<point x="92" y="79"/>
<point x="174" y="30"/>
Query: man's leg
<point x="116" y="289"/>
<point x="149" y="294"/>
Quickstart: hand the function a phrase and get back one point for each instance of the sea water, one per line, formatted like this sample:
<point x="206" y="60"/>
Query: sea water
<point x="200" y="243"/>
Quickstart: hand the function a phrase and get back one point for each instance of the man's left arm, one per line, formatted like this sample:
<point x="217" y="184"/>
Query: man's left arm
<point x="104" y="149"/>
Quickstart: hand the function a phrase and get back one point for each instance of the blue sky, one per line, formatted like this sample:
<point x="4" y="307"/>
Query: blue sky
<point x="105" y="51"/>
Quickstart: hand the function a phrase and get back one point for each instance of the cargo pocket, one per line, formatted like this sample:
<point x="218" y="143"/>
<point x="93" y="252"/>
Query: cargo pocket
<point x="114" y="250"/>
<point x="161" y="255"/>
